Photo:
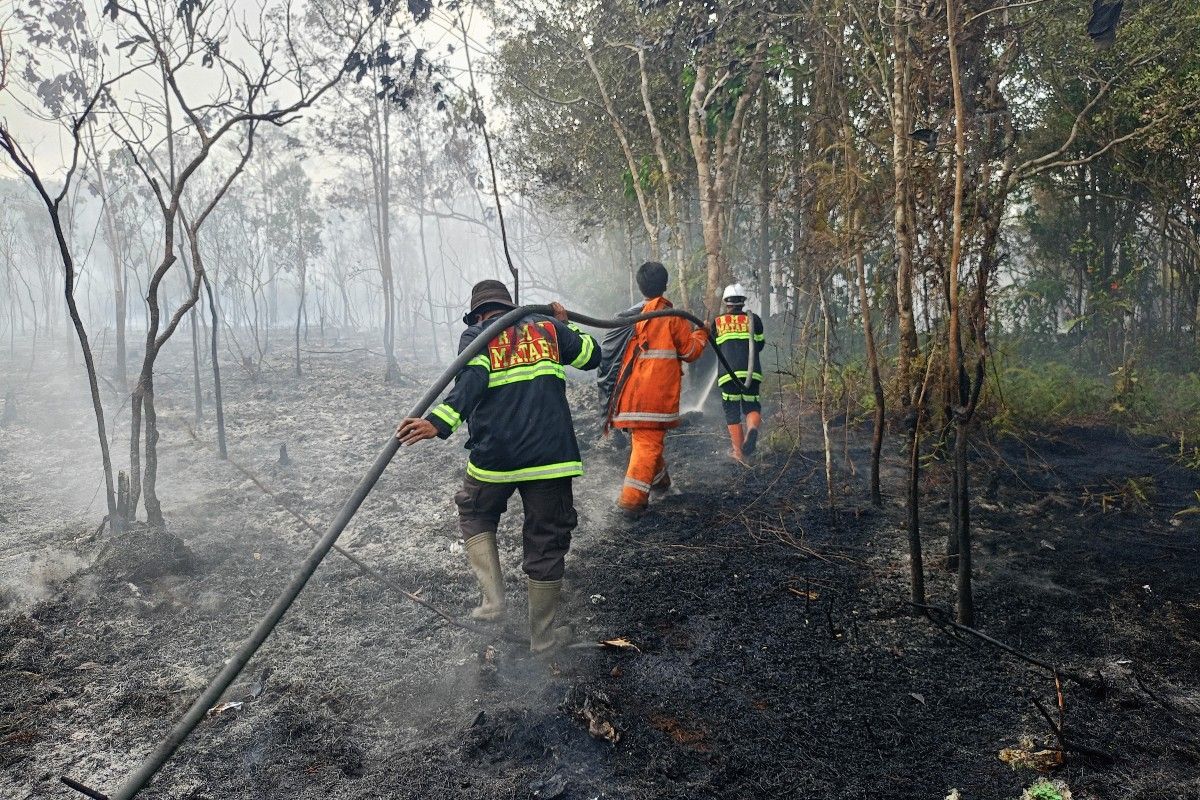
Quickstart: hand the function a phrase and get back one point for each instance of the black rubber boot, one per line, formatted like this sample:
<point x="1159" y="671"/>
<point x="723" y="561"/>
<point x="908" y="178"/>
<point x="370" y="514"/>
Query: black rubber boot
<point x="751" y="442"/>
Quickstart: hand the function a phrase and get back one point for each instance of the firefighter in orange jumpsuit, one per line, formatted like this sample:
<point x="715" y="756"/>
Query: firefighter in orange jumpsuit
<point x="645" y="399"/>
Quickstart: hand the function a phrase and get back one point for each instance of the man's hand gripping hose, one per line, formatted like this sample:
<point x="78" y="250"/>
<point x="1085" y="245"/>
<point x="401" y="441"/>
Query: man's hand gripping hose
<point x="237" y="662"/>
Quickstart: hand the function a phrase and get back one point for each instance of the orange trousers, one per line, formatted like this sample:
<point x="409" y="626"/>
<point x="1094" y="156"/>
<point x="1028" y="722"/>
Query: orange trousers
<point x="647" y="467"/>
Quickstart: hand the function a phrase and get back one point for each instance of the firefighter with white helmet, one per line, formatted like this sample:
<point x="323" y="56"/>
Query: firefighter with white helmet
<point x="739" y="335"/>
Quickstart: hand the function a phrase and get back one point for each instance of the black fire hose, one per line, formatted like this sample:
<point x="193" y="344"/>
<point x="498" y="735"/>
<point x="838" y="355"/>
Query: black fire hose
<point x="237" y="662"/>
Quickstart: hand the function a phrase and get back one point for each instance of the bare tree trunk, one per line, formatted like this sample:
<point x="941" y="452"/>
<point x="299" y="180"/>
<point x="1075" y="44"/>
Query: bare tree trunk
<point x="710" y="225"/>
<point x="854" y="214"/>
<point x="198" y="402"/>
<point x="382" y="184"/>
<point x="302" y="275"/>
<point x="764" y="206"/>
<point x="53" y="207"/>
<point x="825" y="358"/>
<point x="716" y="158"/>
<point x="300" y="309"/>
<point x="678" y="238"/>
<point x="913" y="512"/>
<point x="872" y="361"/>
<point x="218" y="403"/>
<point x="627" y="150"/>
<point x="901" y="115"/>
<point x="116" y="249"/>
<point x="961" y="500"/>
<point x="114" y="521"/>
<point x="424" y="250"/>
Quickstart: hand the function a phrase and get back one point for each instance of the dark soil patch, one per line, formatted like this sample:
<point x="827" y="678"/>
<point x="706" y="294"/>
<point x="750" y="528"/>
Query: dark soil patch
<point x="142" y="554"/>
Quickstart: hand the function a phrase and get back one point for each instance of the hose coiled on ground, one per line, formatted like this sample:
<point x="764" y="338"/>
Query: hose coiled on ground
<point x="237" y="662"/>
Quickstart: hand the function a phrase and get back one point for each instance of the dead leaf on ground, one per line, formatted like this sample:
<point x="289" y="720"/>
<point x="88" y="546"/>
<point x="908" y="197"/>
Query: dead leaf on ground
<point x="594" y="708"/>
<point x="232" y="705"/>
<point x="600" y="728"/>
<point x="807" y="594"/>
<point x="1024" y="756"/>
<point x="621" y="643"/>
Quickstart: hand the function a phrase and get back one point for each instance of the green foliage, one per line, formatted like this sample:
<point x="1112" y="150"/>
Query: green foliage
<point x="803" y="378"/>
<point x="1142" y="400"/>
<point x="1044" y="790"/>
<point x="1132" y="495"/>
<point x="648" y="178"/>
<point x="1046" y="394"/>
<point x="1153" y="401"/>
<point x="1190" y="510"/>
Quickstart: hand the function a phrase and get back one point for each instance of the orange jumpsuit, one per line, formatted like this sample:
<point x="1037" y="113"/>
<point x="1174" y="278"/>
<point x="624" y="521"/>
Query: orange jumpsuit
<point x="646" y="396"/>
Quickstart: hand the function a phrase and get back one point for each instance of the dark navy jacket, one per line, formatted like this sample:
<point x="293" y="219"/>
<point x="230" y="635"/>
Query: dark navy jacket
<point x="513" y="398"/>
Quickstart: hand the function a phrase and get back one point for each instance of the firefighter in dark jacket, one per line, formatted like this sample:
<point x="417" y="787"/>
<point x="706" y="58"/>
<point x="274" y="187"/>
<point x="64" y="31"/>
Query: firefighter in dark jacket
<point x="739" y="335"/>
<point x="513" y="398"/>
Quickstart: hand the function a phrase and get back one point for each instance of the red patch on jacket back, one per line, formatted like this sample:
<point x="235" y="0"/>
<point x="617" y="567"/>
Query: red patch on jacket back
<point x="532" y="342"/>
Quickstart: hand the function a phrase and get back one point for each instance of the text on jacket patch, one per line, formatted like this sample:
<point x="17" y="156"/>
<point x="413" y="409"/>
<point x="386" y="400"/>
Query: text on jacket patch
<point x="533" y="342"/>
<point x="733" y="323"/>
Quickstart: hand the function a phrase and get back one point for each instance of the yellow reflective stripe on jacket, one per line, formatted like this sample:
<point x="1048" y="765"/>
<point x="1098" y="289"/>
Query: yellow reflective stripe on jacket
<point x="480" y="360"/>
<point x="585" y="352"/>
<point x="760" y="337"/>
<point x="725" y="337"/>
<point x="448" y="415"/>
<point x="525" y="372"/>
<point x="564" y="469"/>
<point x="746" y="398"/>
<point x="741" y="376"/>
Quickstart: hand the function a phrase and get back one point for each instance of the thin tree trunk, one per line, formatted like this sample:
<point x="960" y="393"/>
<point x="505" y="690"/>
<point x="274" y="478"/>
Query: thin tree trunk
<point x="764" y="206"/>
<point x="627" y="150"/>
<point x="913" y="513"/>
<point x="901" y="149"/>
<point x="424" y="250"/>
<point x="966" y="606"/>
<point x="198" y="402"/>
<point x="966" y="602"/>
<point x="678" y="238"/>
<point x="872" y="363"/>
<point x="302" y="276"/>
<point x="303" y="268"/>
<point x="825" y="358"/>
<point x="114" y="521"/>
<point x="218" y="403"/>
<point x="116" y="250"/>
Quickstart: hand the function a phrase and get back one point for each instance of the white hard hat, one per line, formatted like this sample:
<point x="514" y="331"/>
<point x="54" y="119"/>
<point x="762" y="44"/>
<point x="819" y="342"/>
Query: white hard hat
<point x="733" y="290"/>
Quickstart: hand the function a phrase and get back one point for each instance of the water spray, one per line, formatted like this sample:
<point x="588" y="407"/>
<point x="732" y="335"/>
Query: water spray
<point x="237" y="662"/>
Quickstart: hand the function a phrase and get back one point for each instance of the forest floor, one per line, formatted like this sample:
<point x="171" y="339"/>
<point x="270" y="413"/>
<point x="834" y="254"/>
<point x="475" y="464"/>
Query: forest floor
<point x="775" y="653"/>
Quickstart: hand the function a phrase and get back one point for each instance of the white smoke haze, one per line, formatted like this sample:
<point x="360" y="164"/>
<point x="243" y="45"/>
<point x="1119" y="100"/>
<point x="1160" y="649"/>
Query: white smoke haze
<point x="237" y="240"/>
<point x="356" y="228"/>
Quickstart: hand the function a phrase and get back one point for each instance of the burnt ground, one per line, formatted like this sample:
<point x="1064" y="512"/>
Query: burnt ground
<point x="776" y="655"/>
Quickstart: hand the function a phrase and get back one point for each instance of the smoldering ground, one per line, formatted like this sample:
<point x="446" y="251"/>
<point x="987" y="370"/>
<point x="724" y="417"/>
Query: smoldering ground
<point x="776" y="655"/>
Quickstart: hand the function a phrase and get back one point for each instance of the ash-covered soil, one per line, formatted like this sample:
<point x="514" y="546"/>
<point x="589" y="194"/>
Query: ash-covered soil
<point x="774" y="652"/>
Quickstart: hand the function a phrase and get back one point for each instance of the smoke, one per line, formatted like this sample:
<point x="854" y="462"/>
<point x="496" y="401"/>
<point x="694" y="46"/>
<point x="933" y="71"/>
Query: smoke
<point x="30" y="578"/>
